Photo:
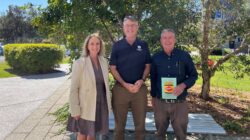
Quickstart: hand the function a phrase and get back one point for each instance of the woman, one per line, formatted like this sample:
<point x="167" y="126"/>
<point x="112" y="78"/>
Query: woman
<point x="89" y="101"/>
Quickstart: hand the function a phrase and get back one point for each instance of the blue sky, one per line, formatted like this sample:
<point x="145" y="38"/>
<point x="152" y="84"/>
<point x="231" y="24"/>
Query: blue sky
<point x="5" y="3"/>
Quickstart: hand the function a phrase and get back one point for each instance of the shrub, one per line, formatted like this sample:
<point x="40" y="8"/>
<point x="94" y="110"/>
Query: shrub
<point x="222" y="100"/>
<point x="62" y="115"/>
<point x="233" y="126"/>
<point x="33" y="58"/>
<point x="217" y="51"/>
<point x="111" y="81"/>
<point x="220" y="51"/>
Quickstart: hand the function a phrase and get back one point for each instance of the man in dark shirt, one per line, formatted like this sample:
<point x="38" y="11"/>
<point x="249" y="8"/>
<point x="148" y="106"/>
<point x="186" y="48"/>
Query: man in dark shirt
<point x="177" y="64"/>
<point x="130" y="65"/>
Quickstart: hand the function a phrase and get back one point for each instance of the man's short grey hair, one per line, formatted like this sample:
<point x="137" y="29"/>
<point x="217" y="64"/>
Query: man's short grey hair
<point x="131" y="18"/>
<point x="167" y="30"/>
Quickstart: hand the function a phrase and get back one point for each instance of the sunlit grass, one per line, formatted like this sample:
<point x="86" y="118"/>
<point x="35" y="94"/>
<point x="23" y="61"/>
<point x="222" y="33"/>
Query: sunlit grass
<point x="226" y="80"/>
<point x="5" y="70"/>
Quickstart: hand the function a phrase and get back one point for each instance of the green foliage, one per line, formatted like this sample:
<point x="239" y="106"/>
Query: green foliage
<point x="111" y="81"/>
<point x="69" y="22"/>
<point x="65" y="60"/>
<point x="196" y="60"/>
<point x="240" y="66"/>
<point x="74" y="20"/>
<point x="210" y="32"/>
<point x="15" y="25"/>
<point x="246" y="118"/>
<point x="62" y="115"/>
<point x="33" y="58"/>
<point x="220" y="51"/>
<point x="222" y="100"/>
<point x="233" y="126"/>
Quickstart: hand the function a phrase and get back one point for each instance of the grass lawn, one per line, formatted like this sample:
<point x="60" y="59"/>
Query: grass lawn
<point x="226" y="80"/>
<point x="5" y="71"/>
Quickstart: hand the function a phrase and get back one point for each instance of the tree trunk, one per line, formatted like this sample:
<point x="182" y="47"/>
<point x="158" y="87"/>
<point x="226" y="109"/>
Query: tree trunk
<point x="206" y="78"/>
<point x="204" y="51"/>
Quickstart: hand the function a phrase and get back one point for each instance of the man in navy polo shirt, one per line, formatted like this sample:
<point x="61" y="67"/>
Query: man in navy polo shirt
<point x="130" y="65"/>
<point x="171" y="63"/>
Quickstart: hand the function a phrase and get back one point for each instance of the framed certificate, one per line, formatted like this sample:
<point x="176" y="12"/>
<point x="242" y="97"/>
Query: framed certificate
<point x="167" y="86"/>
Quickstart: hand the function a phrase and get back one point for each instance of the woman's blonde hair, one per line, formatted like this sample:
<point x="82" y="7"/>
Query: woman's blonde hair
<point x="85" y="51"/>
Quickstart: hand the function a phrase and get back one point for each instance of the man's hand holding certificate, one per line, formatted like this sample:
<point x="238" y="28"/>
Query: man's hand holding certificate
<point x="179" y="89"/>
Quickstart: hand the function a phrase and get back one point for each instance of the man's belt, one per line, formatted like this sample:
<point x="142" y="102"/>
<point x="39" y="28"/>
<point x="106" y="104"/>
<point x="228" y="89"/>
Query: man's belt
<point x="173" y="100"/>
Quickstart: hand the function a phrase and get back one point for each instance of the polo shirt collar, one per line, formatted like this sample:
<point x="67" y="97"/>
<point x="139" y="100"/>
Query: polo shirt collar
<point x="134" y="44"/>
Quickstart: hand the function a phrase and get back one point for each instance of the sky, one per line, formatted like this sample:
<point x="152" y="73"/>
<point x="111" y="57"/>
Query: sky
<point x="5" y="3"/>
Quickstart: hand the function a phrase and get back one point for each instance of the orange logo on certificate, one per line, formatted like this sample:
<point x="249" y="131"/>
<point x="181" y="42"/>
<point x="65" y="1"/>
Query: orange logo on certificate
<point x="168" y="87"/>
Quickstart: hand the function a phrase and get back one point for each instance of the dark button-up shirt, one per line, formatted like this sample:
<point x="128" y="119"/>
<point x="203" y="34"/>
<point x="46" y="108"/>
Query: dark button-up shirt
<point x="178" y="65"/>
<point x="129" y="59"/>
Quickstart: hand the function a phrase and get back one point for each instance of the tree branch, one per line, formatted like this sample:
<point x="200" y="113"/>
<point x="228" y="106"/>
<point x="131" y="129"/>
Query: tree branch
<point x="228" y="56"/>
<point x="105" y="26"/>
<point x="109" y="33"/>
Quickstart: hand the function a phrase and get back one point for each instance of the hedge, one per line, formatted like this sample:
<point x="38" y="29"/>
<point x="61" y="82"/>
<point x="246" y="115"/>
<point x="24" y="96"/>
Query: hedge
<point x="33" y="58"/>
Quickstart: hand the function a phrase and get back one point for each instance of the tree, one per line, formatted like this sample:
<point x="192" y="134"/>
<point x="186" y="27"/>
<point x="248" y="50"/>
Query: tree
<point x="211" y="33"/>
<point x="16" y="26"/>
<point x="69" y="22"/>
<point x="72" y="20"/>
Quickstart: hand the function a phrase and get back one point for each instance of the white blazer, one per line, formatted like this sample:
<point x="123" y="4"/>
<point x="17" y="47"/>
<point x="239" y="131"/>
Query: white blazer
<point x="82" y="100"/>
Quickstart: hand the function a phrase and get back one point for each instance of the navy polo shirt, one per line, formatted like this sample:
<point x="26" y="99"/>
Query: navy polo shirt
<point x="178" y="65"/>
<point x="130" y="60"/>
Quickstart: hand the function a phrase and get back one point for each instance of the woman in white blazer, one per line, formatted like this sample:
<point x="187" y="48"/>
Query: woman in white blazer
<point x="89" y="100"/>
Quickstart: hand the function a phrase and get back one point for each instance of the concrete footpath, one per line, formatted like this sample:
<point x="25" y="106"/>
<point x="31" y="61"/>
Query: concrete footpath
<point x="22" y="95"/>
<point x="40" y="125"/>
